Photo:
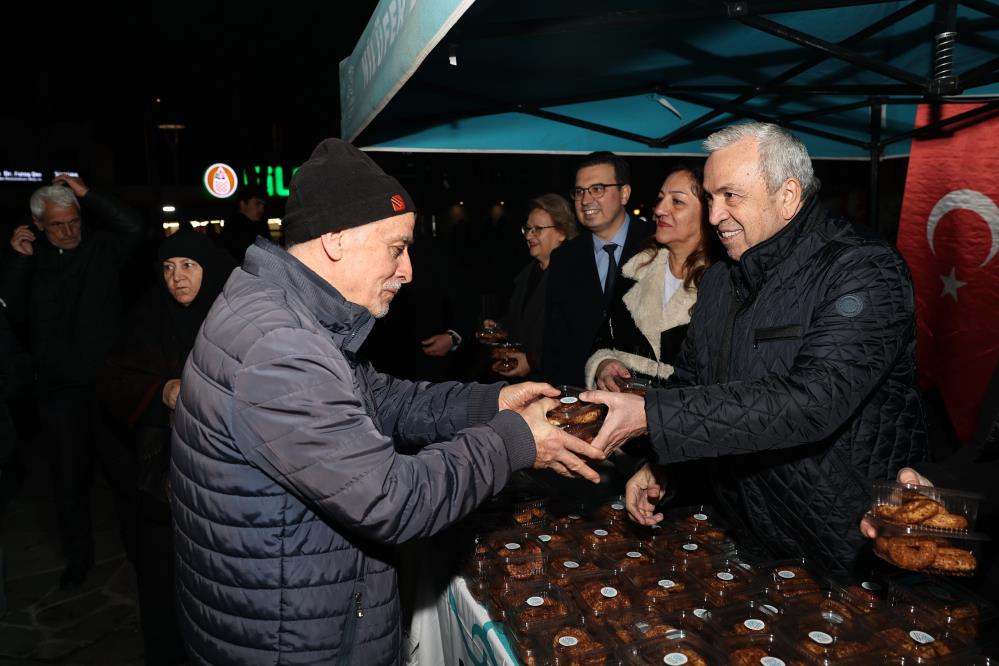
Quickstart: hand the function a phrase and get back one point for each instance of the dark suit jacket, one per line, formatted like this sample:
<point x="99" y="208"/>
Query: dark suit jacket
<point x="575" y="303"/>
<point x="525" y="316"/>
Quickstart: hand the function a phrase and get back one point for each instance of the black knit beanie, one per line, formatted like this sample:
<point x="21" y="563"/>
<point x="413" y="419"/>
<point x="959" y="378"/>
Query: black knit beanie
<point x="337" y="188"/>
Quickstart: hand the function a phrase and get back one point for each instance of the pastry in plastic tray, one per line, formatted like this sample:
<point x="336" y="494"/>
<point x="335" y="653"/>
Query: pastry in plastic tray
<point x="621" y="560"/>
<point x="911" y="633"/>
<point x="601" y="594"/>
<point x="586" y="432"/>
<point x="595" y="535"/>
<point x="678" y="649"/>
<point x="634" y="626"/>
<point x="955" y="607"/>
<point x="791" y="578"/>
<point x="743" y="619"/>
<point x="695" y="518"/>
<point x="662" y="587"/>
<point x="491" y="334"/>
<point x="613" y="511"/>
<point x="535" y="606"/>
<point x="573" y="412"/>
<point x="828" y="637"/>
<point x="925" y="506"/>
<point x="761" y="650"/>
<point x="868" y="594"/>
<point x="634" y="385"/>
<point x="520" y="559"/>
<point x="577" y="644"/>
<point x="554" y="538"/>
<point x="688" y="554"/>
<point x="726" y="582"/>
<point x="918" y="549"/>
<point x="565" y="568"/>
<point x="503" y="361"/>
<point x="529" y="513"/>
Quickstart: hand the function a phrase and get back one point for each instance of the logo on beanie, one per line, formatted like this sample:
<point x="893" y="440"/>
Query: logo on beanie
<point x="220" y="180"/>
<point x="398" y="203"/>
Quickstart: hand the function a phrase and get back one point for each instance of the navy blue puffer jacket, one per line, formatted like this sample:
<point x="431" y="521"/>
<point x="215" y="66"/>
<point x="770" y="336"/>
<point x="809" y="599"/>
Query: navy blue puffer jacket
<point x="799" y="368"/>
<point x="286" y="485"/>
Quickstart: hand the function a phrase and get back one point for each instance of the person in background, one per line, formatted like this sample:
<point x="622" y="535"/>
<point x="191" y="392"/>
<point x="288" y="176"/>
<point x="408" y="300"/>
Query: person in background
<point x="288" y="487"/>
<point x="583" y="271"/>
<point x="798" y="372"/>
<point x="241" y="229"/>
<point x="139" y="392"/>
<point x="550" y="222"/>
<point x="62" y="279"/>
<point x="648" y="317"/>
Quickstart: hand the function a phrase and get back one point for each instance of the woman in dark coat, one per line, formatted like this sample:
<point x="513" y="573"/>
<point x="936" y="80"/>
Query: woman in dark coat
<point x="550" y="223"/>
<point x="139" y="391"/>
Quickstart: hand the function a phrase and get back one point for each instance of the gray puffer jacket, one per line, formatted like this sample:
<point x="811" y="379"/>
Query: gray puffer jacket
<point x="286" y="484"/>
<point x="799" y="368"/>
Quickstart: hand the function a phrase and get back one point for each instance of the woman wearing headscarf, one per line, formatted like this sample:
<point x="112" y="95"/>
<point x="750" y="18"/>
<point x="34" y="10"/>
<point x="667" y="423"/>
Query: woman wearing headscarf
<point x="139" y="391"/>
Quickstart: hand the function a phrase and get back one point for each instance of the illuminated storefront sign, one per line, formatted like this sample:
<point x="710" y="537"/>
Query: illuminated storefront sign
<point x="270" y="177"/>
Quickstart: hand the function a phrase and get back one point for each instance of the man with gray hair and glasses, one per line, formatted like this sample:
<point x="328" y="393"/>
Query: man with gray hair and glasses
<point x="798" y="373"/>
<point x="62" y="280"/>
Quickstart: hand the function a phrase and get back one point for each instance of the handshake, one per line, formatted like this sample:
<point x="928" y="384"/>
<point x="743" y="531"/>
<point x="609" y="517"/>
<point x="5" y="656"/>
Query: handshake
<point x="556" y="448"/>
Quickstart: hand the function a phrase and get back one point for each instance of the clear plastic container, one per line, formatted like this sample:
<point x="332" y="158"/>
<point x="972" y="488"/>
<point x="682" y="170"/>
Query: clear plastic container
<point x="600" y="595"/>
<point x="530" y="514"/>
<point x="688" y="554"/>
<point x="555" y="537"/>
<point x="564" y="568"/>
<point x="678" y="649"/>
<point x="664" y="588"/>
<point x="965" y="612"/>
<point x="612" y="512"/>
<point x="790" y="578"/>
<point x="742" y="619"/>
<point x="491" y="334"/>
<point x="586" y="432"/>
<point x="537" y="606"/>
<point x="602" y="536"/>
<point x="760" y="649"/>
<point x="654" y="537"/>
<point x="635" y="626"/>
<point x="695" y="518"/>
<point x="519" y="557"/>
<point x="920" y="549"/>
<point x="622" y="560"/>
<point x="634" y="385"/>
<point x="728" y="582"/>
<point x="914" y="636"/>
<point x="572" y="411"/>
<point x="505" y="594"/>
<point x="925" y="506"/>
<point x="870" y="594"/>
<point x="825" y="637"/>
<point x="573" y="642"/>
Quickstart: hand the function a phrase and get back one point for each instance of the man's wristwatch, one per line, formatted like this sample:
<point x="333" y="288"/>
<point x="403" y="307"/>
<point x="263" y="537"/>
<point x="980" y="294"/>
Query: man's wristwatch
<point x="455" y="338"/>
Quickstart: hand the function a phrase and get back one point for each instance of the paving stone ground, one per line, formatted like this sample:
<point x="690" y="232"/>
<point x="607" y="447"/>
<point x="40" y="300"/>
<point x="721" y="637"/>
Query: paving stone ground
<point x="95" y="624"/>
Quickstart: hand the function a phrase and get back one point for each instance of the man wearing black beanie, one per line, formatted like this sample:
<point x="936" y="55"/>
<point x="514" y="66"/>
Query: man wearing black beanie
<point x="288" y="492"/>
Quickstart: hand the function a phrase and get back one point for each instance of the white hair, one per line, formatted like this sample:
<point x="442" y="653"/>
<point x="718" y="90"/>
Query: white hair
<point x="57" y="195"/>
<point x="782" y="155"/>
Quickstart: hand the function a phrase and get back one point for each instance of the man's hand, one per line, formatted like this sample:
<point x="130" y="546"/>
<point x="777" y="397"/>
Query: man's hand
<point x="171" y="391"/>
<point x="905" y="475"/>
<point x="556" y="450"/>
<point x="607" y="373"/>
<point x="79" y="188"/>
<point x="641" y="493"/>
<point x="519" y="396"/>
<point x="625" y="418"/>
<point x="22" y="240"/>
<point x="437" y="345"/>
<point x="519" y="370"/>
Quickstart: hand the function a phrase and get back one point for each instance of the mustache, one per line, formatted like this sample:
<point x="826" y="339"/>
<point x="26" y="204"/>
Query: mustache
<point x="393" y="285"/>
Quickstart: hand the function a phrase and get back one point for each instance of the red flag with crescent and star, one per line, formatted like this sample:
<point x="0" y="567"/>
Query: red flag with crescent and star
<point x="949" y="236"/>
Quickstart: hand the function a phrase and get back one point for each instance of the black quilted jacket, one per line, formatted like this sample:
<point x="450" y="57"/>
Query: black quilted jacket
<point x="799" y="369"/>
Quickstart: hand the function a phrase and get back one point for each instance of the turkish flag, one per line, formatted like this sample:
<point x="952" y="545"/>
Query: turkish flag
<point x="949" y="235"/>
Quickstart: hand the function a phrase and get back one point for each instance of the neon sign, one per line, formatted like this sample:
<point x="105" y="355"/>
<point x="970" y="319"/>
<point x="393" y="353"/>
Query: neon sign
<point x="270" y="177"/>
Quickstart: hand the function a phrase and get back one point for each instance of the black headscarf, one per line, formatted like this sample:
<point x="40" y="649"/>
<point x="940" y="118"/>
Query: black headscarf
<point x="216" y="266"/>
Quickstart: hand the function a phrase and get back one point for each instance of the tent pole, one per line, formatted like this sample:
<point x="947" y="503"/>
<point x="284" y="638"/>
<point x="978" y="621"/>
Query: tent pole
<point x="873" y="194"/>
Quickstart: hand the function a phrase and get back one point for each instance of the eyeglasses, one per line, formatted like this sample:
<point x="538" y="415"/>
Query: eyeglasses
<point x="596" y="190"/>
<point x="527" y="231"/>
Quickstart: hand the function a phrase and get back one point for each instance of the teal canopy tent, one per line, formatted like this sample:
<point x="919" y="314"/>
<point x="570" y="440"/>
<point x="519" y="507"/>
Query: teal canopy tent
<point x="643" y="77"/>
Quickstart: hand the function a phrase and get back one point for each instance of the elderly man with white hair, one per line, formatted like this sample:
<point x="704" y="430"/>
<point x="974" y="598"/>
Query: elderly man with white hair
<point x="62" y="279"/>
<point x="798" y="373"/>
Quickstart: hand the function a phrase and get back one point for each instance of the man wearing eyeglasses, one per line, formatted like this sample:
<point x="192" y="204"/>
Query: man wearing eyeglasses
<point x="583" y="271"/>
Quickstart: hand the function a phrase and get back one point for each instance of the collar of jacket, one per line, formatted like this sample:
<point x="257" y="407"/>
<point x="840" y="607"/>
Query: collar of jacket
<point x="347" y="322"/>
<point x="758" y="263"/>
